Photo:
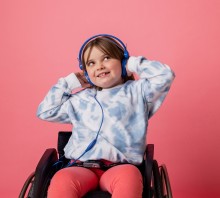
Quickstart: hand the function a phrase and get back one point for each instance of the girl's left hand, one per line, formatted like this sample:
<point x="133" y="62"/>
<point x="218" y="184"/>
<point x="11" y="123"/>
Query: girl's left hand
<point x="82" y="79"/>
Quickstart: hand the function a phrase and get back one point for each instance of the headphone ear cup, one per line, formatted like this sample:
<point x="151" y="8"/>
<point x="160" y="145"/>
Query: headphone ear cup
<point x="88" y="79"/>
<point x="123" y="67"/>
<point x="80" y="65"/>
<point x="126" y="54"/>
<point x="123" y="64"/>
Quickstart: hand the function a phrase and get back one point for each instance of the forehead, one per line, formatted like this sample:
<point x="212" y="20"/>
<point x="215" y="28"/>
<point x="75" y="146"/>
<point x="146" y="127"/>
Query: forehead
<point x="93" y="52"/>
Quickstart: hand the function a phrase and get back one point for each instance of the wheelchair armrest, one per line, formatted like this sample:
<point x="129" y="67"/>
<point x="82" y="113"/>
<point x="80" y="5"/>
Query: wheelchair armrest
<point x="44" y="172"/>
<point x="149" y="157"/>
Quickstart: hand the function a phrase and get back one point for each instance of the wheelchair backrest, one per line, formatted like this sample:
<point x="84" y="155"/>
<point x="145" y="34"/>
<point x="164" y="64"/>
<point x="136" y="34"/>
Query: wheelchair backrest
<point x="63" y="137"/>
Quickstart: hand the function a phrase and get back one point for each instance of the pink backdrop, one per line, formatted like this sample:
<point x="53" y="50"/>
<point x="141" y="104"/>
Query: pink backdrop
<point x="39" y="43"/>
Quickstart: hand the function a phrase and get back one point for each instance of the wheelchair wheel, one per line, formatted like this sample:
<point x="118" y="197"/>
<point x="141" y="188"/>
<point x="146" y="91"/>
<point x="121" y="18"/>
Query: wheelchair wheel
<point x="156" y="181"/>
<point x="166" y="187"/>
<point x="27" y="185"/>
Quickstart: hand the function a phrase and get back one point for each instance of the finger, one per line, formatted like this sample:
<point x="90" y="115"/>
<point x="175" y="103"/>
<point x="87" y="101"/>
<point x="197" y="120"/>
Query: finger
<point x="86" y="85"/>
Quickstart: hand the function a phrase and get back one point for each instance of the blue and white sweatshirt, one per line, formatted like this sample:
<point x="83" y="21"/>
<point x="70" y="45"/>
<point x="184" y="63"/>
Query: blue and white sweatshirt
<point x="126" y="110"/>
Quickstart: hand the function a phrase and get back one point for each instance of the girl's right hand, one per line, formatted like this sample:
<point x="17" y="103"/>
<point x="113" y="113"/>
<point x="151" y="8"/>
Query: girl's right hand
<point x="82" y="79"/>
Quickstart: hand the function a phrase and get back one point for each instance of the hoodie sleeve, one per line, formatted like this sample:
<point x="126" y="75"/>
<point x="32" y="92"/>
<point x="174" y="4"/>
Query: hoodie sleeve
<point x="157" y="79"/>
<point x="54" y="106"/>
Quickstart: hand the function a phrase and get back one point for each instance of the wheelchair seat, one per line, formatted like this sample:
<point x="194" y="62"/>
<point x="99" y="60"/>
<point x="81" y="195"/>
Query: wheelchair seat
<point x="155" y="179"/>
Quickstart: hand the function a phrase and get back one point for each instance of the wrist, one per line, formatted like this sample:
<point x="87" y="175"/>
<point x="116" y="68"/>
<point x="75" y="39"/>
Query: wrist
<point x="129" y="73"/>
<point x="131" y="65"/>
<point x="72" y="81"/>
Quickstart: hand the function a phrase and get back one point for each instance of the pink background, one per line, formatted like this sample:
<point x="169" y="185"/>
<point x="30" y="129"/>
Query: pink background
<point x="40" y="42"/>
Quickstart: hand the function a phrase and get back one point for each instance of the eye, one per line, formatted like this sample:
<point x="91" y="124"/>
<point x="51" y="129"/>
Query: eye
<point x="106" y="57"/>
<point x="89" y="64"/>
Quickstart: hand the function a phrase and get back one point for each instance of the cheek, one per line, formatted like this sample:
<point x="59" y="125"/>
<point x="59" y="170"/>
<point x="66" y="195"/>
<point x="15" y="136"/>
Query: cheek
<point x="118" y="69"/>
<point x="116" y="66"/>
<point x="90" y="72"/>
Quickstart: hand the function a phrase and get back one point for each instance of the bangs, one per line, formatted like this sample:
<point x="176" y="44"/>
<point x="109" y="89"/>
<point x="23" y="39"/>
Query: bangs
<point x="107" y="45"/>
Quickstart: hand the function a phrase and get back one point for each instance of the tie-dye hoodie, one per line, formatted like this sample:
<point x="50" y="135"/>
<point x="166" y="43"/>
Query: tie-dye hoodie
<point x="126" y="110"/>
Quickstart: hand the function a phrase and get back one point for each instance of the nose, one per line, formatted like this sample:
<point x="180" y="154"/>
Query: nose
<point x="100" y="66"/>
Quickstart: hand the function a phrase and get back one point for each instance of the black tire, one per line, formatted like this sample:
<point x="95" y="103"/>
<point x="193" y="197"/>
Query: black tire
<point x="166" y="187"/>
<point x="157" y="184"/>
<point x="26" y="185"/>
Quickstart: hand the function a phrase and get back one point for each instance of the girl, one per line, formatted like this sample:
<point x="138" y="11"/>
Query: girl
<point x="110" y="117"/>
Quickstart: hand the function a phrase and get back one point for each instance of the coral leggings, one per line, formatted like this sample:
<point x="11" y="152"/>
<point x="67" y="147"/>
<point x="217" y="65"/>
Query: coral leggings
<point x="74" y="182"/>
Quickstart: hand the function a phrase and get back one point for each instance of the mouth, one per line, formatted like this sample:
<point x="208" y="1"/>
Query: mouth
<point x="103" y="74"/>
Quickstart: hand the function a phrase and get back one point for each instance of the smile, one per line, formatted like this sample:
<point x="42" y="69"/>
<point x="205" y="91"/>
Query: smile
<point x="104" y="74"/>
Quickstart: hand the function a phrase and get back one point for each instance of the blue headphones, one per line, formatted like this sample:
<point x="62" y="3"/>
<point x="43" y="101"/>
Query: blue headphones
<point x="118" y="42"/>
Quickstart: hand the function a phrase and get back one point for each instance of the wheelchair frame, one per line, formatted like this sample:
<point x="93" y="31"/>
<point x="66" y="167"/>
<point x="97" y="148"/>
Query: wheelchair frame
<point x="155" y="178"/>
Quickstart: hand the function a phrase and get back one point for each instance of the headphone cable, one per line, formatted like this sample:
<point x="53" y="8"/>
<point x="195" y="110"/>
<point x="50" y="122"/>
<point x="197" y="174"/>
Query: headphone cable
<point x="91" y="144"/>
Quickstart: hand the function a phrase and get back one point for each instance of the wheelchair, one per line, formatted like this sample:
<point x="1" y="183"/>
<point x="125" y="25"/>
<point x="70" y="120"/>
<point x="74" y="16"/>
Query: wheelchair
<point x="155" y="178"/>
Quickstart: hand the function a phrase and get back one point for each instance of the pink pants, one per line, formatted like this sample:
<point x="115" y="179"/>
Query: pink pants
<point x="74" y="182"/>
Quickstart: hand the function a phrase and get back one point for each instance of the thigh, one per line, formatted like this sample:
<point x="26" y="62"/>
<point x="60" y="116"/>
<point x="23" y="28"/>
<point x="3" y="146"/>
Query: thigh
<point x="123" y="181"/>
<point x="72" y="182"/>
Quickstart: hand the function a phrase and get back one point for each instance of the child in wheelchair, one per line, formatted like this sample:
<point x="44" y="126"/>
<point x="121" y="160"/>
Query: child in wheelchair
<point x="109" y="116"/>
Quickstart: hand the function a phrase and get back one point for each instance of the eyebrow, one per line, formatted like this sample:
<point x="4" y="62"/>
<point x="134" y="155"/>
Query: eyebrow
<point x="90" y="60"/>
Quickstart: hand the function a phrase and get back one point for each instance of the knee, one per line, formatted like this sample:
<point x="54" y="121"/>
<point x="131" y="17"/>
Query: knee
<point x="72" y="182"/>
<point x="61" y="177"/>
<point x="63" y="185"/>
<point x="130" y="172"/>
<point x="123" y="180"/>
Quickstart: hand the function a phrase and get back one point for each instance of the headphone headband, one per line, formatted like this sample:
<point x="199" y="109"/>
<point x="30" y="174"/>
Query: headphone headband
<point x="117" y="42"/>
